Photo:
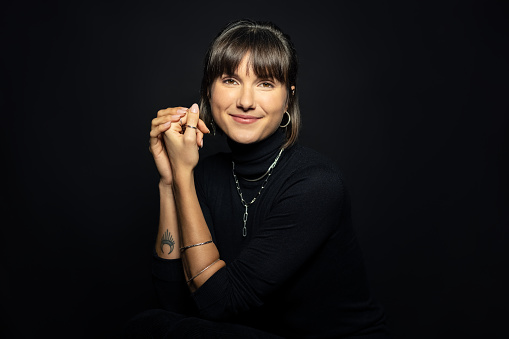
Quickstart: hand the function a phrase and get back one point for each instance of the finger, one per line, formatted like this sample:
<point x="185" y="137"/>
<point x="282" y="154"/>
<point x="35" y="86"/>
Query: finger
<point x="202" y="127"/>
<point x="164" y="126"/>
<point x="199" y="138"/>
<point x="171" y="111"/>
<point x="156" y="131"/>
<point x="164" y="119"/>
<point x="153" y="141"/>
<point x="177" y="126"/>
<point x="183" y="120"/>
<point x="192" y="122"/>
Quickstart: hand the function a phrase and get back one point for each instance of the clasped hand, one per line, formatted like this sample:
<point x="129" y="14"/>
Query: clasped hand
<point x="175" y="146"/>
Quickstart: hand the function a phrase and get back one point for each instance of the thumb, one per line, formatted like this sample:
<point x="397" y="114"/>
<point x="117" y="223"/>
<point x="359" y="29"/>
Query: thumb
<point x="192" y="122"/>
<point x="192" y="118"/>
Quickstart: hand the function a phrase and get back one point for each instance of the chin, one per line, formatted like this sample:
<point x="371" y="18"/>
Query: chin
<point x="244" y="138"/>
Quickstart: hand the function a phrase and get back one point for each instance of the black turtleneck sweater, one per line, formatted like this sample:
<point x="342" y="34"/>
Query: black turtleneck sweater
<point x="299" y="270"/>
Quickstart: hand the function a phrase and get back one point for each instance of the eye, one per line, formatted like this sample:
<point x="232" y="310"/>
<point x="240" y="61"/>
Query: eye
<point x="229" y="81"/>
<point x="266" y="84"/>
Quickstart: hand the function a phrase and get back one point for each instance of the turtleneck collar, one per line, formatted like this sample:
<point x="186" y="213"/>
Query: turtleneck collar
<point x="253" y="160"/>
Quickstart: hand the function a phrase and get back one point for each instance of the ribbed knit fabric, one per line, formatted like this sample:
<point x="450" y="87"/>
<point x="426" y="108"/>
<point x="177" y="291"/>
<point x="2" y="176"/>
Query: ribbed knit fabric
<point x="299" y="271"/>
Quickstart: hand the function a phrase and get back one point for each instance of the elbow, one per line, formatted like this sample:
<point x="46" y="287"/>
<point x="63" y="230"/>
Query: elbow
<point x="223" y="297"/>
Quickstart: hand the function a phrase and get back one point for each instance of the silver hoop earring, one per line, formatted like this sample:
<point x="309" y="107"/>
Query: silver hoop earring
<point x="288" y="122"/>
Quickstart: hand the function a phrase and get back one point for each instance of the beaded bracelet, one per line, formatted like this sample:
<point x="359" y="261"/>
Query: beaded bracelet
<point x="206" y="268"/>
<point x="182" y="249"/>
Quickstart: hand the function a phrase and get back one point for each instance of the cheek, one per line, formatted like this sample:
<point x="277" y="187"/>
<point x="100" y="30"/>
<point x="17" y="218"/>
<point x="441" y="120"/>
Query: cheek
<point x="220" y="99"/>
<point x="218" y="104"/>
<point x="214" y="105"/>
<point x="275" y="104"/>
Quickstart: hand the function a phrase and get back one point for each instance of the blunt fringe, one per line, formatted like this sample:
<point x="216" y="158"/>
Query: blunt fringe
<point x="271" y="55"/>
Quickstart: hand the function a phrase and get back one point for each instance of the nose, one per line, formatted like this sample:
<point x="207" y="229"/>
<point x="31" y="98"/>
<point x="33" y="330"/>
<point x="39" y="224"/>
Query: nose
<point x="246" y="100"/>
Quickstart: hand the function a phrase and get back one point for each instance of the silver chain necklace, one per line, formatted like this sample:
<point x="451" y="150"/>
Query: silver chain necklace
<point x="259" y="178"/>
<point x="247" y="204"/>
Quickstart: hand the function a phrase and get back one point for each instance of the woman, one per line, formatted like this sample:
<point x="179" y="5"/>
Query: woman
<point x="257" y="242"/>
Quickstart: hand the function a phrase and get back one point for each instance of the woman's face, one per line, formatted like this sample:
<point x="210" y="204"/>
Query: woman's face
<point x="247" y="108"/>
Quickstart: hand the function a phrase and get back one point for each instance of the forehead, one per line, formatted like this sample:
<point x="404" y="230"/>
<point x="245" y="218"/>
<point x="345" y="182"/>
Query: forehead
<point x="245" y="67"/>
<point x="252" y="64"/>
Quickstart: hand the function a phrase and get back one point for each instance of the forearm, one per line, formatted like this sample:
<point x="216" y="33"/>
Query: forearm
<point x="194" y="230"/>
<point x="167" y="241"/>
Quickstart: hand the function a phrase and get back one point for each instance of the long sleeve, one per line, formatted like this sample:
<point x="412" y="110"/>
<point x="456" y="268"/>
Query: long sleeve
<point x="304" y="213"/>
<point x="300" y="264"/>
<point x="170" y="286"/>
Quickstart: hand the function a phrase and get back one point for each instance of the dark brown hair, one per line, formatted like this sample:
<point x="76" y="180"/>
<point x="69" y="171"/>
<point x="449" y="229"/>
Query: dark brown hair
<point x="271" y="55"/>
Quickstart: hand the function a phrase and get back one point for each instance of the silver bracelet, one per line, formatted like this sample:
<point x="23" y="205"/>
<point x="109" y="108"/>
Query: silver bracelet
<point x="182" y="249"/>
<point x="206" y="268"/>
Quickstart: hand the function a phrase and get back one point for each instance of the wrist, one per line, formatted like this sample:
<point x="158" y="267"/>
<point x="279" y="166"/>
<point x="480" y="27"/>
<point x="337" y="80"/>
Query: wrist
<point x="181" y="177"/>
<point x="182" y="180"/>
<point x="164" y="187"/>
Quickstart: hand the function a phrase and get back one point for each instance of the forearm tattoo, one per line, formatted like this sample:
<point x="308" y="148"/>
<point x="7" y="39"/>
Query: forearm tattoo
<point x="167" y="239"/>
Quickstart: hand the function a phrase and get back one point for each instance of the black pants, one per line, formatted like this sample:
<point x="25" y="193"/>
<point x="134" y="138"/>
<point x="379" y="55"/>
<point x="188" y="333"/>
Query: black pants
<point x="159" y="323"/>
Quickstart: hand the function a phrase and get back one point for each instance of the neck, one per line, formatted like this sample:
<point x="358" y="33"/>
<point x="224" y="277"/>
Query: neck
<point x="253" y="160"/>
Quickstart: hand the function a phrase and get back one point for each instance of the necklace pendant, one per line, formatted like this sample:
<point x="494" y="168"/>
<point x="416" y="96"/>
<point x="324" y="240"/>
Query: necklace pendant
<point x="244" y="203"/>
<point x="244" y="218"/>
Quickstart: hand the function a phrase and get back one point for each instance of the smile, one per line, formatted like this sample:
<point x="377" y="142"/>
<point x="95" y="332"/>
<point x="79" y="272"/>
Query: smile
<point x="244" y="119"/>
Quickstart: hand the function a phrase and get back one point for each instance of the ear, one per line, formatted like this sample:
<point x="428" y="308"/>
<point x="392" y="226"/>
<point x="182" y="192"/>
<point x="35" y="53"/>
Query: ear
<point x="292" y="92"/>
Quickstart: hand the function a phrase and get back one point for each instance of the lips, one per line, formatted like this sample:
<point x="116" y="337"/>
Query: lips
<point x="244" y="118"/>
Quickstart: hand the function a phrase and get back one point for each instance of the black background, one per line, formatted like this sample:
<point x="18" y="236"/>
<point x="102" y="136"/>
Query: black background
<point x="408" y="98"/>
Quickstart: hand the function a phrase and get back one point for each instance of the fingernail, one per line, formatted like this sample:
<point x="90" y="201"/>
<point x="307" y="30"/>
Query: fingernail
<point x="182" y="110"/>
<point x="194" y="108"/>
<point x="201" y="143"/>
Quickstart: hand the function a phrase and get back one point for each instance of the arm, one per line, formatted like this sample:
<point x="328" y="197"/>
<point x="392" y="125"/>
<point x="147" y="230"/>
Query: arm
<point x="167" y="267"/>
<point x="167" y="241"/>
<point x="199" y="262"/>
<point x="167" y="236"/>
<point x="194" y="230"/>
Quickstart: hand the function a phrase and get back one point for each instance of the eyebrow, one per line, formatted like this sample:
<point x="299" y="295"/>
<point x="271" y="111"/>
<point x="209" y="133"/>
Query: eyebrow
<point x="235" y="74"/>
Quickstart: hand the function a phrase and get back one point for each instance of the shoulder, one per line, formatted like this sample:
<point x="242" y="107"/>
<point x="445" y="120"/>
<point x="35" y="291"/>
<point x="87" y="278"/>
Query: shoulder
<point x="309" y="162"/>
<point x="314" y="172"/>
<point x="314" y="159"/>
